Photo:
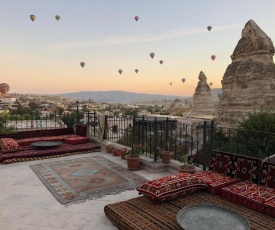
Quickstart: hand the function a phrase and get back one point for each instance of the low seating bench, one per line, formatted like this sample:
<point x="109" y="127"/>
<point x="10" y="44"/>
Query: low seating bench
<point x="232" y="179"/>
<point x="73" y="142"/>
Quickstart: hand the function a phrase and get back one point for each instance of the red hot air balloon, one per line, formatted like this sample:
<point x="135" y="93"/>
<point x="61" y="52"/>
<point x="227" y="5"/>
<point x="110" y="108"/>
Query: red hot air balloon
<point x="4" y="89"/>
<point x="136" y="18"/>
<point x="161" y="62"/>
<point x="213" y="57"/>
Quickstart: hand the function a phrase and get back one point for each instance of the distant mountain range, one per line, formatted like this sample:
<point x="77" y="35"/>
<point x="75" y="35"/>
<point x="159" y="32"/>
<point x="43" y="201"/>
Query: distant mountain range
<point x="119" y="96"/>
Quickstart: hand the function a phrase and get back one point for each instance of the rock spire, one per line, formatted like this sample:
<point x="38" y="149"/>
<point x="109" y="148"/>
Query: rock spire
<point x="202" y="99"/>
<point x="248" y="83"/>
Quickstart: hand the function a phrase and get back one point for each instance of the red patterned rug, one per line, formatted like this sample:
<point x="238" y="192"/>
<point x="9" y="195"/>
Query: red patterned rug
<point x="76" y="180"/>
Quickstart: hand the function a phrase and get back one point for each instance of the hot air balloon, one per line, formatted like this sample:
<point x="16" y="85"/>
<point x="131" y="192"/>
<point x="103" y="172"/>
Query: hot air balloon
<point x="136" y="70"/>
<point x="209" y="27"/>
<point x="183" y="80"/>
<point x="161" y="62"/>
<point x="120" y="71"/>
<point x="82" y="64"/>
<point x="152" y="55"/>
<point x="4" y="88"/>
<point x="210" y="83"/>
<point x="136" y="18"/>
<point x="170" y="83"/>
<point x="213" y="57"/>
<point x="32" y="17"/>
<point x="57" y="17"/>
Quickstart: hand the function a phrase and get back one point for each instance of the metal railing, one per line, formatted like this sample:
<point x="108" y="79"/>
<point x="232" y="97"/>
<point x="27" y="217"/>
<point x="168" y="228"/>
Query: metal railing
<point x="196" y="141"/>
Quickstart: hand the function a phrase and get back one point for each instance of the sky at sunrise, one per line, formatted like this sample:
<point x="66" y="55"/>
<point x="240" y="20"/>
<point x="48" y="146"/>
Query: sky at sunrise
<point x="44" y="56"/>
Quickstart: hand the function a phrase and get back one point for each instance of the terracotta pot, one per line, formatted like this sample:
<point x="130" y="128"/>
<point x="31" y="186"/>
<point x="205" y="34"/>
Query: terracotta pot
<point x="123" y="154"/>
<point x="133" y="163"/>
<point x="109" y="149"/>
<point x="166" y="156"/>
<point x="189" y="169"/>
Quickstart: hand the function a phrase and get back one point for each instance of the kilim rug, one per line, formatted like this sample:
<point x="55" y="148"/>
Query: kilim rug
<point x="141" y="213"/>
<point x="76" y="180"/>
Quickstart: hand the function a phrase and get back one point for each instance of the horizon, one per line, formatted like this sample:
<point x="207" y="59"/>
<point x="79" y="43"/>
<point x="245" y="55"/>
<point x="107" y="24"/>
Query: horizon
<point x="43" y="56"/>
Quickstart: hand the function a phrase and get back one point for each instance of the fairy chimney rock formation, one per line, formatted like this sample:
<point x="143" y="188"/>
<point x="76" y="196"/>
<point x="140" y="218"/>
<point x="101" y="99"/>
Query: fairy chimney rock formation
<point x="249" y="81"/>
<point x="202" y="99"/>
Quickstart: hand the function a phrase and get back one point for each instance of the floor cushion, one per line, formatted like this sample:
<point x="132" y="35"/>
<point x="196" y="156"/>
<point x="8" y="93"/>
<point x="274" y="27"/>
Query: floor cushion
<point x="269" y="208"/>
<point x="215" y="181"/>
<point x="52" y="138"/>
<point x="170" y="187"/>
<point x="268" y="175"/>
<point x="9" y="145"/>
<point x="29" y="141"/>
<point x="77" y="140"/>
<point x="248" y="194"/>
<point x="246" y="168"/>
<point x="221" y="162"/>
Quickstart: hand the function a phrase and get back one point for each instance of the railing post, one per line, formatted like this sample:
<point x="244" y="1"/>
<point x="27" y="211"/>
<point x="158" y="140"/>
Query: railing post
<point x="204" y="146"/>
<point x="134" y="131"/>
<point x="88" y="123"/>
<point x="167" y="134"/>
<point x="142" y="132"/>
<point x="212" y="136"/>
<point x="155" y="140"/>
<point x="95" y="123"/>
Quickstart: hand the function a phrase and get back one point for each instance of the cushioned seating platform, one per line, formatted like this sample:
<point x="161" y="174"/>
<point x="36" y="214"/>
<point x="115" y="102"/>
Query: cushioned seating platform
<point x="269" y="208"/>
<point x="140" y="213"/>
<point x="250" y="195"/>
<point x="28" y="153"/>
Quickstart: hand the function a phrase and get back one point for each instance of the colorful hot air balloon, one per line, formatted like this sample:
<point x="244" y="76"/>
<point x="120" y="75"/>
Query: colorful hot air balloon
<point x="152" y="55"/>
<point x="213" y="57"/>
<point x="82" y="64"/>
<point x="32" y="17"/>
<point x="161" y="62"/>
<point x="136" y="70"/>
<point x="209" y="27"/>
<point x="4" y="89"/>
<point x="57" y="17"/>
<point x="136" y="18"/>
<point x="120" y="71"/>
<point x="183" y="80"/>
<point x="210" y="83"/>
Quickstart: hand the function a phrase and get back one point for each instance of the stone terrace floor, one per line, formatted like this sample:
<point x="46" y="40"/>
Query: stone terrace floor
<point x="25" y="203"/>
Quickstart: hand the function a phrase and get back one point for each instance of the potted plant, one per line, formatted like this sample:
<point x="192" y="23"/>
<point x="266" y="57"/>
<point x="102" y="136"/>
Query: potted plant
<point x="109" y="148"/>
<point x="186" y="164"/>
<point x="165" y="156"/>
<point x="123" y="153"/>
<point x="133" y="157"/>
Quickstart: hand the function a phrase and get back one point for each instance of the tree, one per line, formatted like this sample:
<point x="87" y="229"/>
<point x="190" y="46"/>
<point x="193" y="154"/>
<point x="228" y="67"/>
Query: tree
<point x="256" y="134"/>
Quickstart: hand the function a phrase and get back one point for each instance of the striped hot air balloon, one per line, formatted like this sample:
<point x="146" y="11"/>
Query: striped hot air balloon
<point x="4" y="89"/>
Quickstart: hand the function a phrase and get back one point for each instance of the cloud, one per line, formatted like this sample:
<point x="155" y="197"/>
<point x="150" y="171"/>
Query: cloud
<point x="126" y="39"/>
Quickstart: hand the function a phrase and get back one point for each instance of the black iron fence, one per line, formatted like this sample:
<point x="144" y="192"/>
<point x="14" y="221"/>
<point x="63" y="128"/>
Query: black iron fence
<point x="194" y="140"/>
<point x="197" y="141"/>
